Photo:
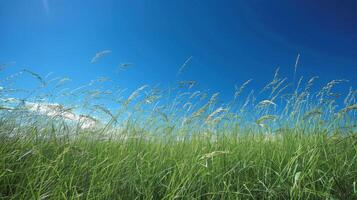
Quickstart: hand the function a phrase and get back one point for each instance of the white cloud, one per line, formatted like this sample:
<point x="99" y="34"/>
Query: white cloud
<point x="53" y="110"/>
<point x="57" y="110"/>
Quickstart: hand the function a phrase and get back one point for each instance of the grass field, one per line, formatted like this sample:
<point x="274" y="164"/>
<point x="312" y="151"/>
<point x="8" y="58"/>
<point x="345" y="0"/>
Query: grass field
<point x="187" y="145"/>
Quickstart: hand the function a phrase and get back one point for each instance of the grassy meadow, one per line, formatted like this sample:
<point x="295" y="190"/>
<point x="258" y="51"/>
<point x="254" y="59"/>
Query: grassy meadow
<point x="287" y="141"/>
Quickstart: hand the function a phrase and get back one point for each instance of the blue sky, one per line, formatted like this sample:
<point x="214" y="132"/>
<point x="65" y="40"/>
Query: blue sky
<point x="229" y="41"/>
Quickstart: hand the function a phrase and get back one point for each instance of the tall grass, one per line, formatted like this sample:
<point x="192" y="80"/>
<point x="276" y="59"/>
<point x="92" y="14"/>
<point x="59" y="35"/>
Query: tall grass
<point x="177" y="143"/>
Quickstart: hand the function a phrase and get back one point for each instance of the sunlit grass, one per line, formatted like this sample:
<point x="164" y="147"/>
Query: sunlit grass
<point x="157" y="144"/>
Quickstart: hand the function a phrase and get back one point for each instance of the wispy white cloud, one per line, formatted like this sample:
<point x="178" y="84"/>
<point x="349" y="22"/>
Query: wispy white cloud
<point x="57" y="110"/>
<point x="50" y="110"/>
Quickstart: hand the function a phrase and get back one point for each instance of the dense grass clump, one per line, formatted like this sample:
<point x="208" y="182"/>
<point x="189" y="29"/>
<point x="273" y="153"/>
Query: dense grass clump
<point x="249" y="167"/>
<point x="283" y="142"/>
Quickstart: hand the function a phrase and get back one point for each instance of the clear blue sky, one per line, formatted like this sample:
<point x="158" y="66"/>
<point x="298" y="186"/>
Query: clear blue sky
<point x="230" y="41"/>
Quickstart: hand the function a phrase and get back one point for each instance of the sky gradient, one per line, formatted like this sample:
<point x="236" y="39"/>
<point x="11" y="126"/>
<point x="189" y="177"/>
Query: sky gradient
<point x="229" y="41"/>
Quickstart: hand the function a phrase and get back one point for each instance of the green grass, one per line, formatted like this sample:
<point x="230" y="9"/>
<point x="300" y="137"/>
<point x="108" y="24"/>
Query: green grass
<point x="177" y="143"/>
<point x="231" y="167"/>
